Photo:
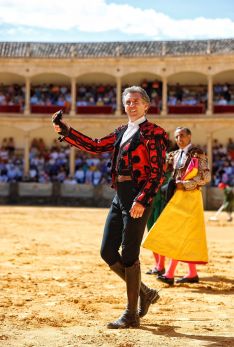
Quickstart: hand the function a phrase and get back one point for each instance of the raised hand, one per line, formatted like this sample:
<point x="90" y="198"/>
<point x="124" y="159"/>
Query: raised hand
<point x="59" y="126"/>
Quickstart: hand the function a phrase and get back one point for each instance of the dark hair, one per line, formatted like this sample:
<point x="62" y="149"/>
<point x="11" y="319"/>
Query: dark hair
<point x="187" y="130"/>
<point x="136" y="89"/>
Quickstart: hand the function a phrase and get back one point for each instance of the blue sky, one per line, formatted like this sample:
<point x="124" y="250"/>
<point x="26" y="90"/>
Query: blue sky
<point x="115" y="20"/>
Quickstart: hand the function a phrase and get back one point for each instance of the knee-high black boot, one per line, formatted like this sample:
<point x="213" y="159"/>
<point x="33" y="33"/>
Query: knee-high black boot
<point x="148" y="296"/>
<point x="130" y="317"/>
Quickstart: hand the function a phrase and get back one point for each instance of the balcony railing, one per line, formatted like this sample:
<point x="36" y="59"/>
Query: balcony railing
<point x="10" y="109"/>
<point x="46" y="109"/>
<point x="223" y="108"/>
<point x="94" y="110"/>
<point x="186" y="109"/>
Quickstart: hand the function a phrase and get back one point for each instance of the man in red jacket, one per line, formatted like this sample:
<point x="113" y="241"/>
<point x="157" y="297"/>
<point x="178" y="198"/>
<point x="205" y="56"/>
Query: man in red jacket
<point x="137" y="169"/>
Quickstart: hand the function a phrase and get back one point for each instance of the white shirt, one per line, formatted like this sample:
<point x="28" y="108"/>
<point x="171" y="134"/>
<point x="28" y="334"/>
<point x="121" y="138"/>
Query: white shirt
<point x="184" y="155"/>
<point x="185" y="149"/>
<point x="132" y="129"/>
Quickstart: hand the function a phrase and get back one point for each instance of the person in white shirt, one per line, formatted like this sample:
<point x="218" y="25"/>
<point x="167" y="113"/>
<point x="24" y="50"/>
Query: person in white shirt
<point x="178" y="162"/>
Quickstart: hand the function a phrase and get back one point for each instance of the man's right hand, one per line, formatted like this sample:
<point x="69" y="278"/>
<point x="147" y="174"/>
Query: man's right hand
<point x="59" y="126"/>
<point x="179" y="185"/>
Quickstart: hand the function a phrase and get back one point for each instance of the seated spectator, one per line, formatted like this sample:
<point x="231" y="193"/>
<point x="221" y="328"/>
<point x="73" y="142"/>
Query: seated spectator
<point x="97" y="175"/>
<point x="43" y="177"/>
<point x="221" y="101"/>
<point x="33" y="173"/>
<point x="80" y="175"/>
<point x="89" y="176"/>
<point x="172" y="100"/>
<point x="2" y="99"/>
<point x="62" y="174"/>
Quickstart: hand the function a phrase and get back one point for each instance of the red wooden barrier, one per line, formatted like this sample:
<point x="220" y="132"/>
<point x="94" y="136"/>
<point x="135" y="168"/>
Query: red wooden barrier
<point x="10" y="108"/>
<point x="94" y="109"/>
<point x="186" y="109"/>
<point x="45" y="109"/>
<point x="223" y="108"/>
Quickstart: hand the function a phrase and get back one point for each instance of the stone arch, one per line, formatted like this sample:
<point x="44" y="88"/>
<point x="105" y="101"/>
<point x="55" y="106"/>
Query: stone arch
<point x="138" y="76"/>
<point x="96" y="77"/>
<point x="224" y="76"/>
<point x="187" y="77"/>
<point x="10" y="78"/>
<point x="50" y="77"/>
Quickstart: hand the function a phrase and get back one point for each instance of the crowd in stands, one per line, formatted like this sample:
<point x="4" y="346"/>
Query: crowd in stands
<point x="51" y="94"/>
<point x="96" y="95"/>
<point x="187" y="95"/>
<point x="12" y="94"/>
<point x="11" y="164"/>
<point x="224" y="94"/>
<point x="105" y="94"/>
<point x="223" y="163"/>
<point x="51" y="164"/>
<point x="154" y="90"/>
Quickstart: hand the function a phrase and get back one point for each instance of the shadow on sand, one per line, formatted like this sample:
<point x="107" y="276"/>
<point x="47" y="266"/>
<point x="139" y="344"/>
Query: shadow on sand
<point x="215" y="341"/>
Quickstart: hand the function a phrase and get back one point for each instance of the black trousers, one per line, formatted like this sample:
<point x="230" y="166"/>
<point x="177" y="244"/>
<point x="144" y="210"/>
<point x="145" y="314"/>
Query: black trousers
<point x="121" y="230"/>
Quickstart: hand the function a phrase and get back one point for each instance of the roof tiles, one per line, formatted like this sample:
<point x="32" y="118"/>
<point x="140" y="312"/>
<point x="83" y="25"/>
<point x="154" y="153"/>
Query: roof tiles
<point x="115" y="49"/>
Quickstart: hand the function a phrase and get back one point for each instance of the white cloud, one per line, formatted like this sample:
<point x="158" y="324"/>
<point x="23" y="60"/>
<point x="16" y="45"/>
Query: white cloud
<point x="98" y="16"/>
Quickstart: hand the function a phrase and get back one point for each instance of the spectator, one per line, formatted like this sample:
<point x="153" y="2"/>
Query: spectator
<point x="70" y="180"/>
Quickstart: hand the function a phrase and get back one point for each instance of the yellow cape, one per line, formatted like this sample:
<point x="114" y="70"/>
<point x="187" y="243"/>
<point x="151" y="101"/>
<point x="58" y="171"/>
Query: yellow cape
<point x="179" y="232"/>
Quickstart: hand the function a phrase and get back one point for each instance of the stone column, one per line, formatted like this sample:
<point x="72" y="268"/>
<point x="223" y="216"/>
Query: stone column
<point x="73" y="97"/>
<point x="27" y="96"/>
<point x="209" y="110"/>
<point x="164" y="96"/>
<point x="26" y="153"/>
<point x="209" y="150"/>
<point x="72" y="161"/>
<point x="118" y="111"/>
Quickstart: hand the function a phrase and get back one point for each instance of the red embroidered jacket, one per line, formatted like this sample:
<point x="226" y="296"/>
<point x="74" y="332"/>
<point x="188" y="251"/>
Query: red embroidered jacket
<point x="146" y="156"/>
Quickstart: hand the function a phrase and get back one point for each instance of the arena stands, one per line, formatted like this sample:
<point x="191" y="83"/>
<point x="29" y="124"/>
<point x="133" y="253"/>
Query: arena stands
<point x="223" y="163"/>
<point x="51" y="164"/>
<point x="12" y="98"/>
<point x="101" y="99"/>
<point x="48" y="98"/>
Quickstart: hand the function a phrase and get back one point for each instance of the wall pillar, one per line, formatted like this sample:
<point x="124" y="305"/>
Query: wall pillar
<point x="72" y="161"/>
<point x="164" y="96"/>
<point x="210" y="96"/>
<point x="209" y="150"/>
<point x="27" y="107"/>
<point x="118" y="111"/>
<point x="73" y="97"/>
<point x="26" y="153"/>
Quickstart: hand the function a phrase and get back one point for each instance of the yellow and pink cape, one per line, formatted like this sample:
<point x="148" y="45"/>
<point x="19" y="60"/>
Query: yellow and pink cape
<point x="179" y="232"/>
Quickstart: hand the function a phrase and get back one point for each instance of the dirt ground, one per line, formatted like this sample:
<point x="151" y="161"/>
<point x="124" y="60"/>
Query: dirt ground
<point x="56" y="291"/>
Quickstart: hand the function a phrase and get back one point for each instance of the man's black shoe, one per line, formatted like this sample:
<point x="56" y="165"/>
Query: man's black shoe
<point x="188" y="280"/>
<point x="166" y="280"/>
